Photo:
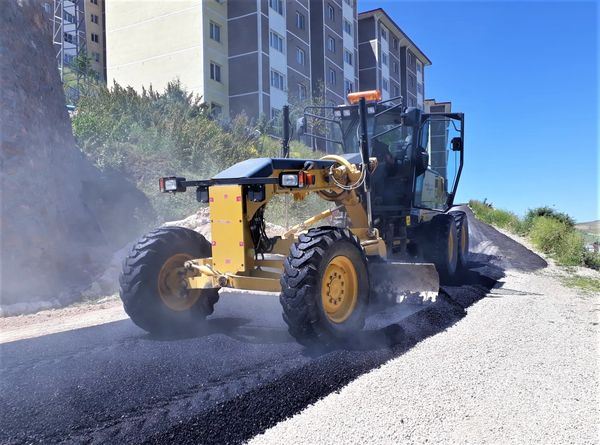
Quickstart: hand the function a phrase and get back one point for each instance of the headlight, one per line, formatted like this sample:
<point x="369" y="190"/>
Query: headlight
<point x="289" y="180"/>
<point x="170" y="185"/>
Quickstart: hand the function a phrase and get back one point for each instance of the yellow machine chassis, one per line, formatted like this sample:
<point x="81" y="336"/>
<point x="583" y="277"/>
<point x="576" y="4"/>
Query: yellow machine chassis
<point x="233" y="263"/>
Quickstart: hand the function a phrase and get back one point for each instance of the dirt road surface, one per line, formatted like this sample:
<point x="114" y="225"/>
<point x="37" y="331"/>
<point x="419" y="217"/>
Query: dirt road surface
<point x="493" y="358"/>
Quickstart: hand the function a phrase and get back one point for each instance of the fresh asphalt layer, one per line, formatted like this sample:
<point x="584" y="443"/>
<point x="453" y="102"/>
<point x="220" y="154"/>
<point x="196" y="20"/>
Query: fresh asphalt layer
<point x="114" y="383"/>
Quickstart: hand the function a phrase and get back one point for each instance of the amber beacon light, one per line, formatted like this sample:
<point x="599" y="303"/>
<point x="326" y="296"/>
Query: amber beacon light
<point x="372" y="96"/>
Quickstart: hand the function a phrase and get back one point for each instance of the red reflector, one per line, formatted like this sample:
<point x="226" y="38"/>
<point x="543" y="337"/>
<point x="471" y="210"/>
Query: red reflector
<point x="211" y="199"/>
<point x="214" y="243"/>
<point x="227" y="261"/>
<point x="161" y="184"/>
<point x="241" y="244"/>
<point x="238" y="198"/>
<point x="225" y="196"/>
<point x="301" y="178"/>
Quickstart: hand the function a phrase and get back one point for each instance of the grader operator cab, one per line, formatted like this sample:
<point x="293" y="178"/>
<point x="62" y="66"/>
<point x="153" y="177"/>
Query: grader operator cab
<point x="391" y="174"/>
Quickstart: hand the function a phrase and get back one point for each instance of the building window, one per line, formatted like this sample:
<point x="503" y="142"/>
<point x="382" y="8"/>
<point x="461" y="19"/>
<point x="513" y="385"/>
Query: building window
<point x="348" y="86"/>
<point x="215" y="71"/>
<point x="68" y="58"/>
<point x="277" y="80"/>
<point x="215" y="31"/>
<point x="331" y="44"/>
<point x="275" y="113"/>
<point x="347" y="27"/>
<point x="68" y="37"/>
<point x="348" y="2"/>
<point x="396" y="91"/>
<point x="419" y="68"/>
<point x="347" y="57"/>
<point x="420" y="88"/>
<point x="276" y="41"/>
<point x="95" y="2"/>
<point x="384" y="84"/>
<point x="411" y="102"/>
<point x="332" y="76"/>
<point x="395" y="43"/>
<point x="215" y="109"/>
<point x="384" y="59"/>
<point x="396" y="67"/>
<point x="410" y="57"/>
<point x="300" y="56"/>
<point x="411" y="81"/>
<point x="276" y="5"/>
<point x="70" y="18"/>
<point x="330" y="12"/>
<point x="300" y="20"/>
<point x="96" y="57"/>
<point x="94" y="18"/>
<point x="301" y="91"/>
<point x="95" y="38"/>
<point x="383" y="33"/>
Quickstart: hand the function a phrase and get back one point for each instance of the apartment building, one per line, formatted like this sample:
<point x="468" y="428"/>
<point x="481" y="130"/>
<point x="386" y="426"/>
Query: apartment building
<point x="78" y="29"/>
<point x="389" y="60"/>
<point x="156" y="42"/>
<point x="250" y="56"/>
<point x="292" y="50"/>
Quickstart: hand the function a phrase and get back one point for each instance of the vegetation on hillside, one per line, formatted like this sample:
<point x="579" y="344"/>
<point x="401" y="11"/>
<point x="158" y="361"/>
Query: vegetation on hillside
<point x="146" y="135"/>
<point x="552" y="232"/>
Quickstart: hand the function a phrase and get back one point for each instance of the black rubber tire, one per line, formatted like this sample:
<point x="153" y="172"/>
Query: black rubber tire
<point x="301" y="286"/>
<point x="462" y="228"/>
<point x="439" y="229"/>
<point x="139" y="281"/>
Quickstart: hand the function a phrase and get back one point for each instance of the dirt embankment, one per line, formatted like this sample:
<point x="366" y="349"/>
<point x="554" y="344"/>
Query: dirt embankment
<point x="60" y="217"/>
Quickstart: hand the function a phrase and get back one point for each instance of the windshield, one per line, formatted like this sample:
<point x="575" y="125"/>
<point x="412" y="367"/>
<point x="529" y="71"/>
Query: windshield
<point x="336" y="130"/>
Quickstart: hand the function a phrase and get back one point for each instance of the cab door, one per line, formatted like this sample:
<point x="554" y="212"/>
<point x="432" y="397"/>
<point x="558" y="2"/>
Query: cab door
<point x="441" y="143"/>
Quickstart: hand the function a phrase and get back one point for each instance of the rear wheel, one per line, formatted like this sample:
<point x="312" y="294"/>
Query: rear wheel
<point x="325" y="286"/>
<point x="442" y="245"/>
<point x="152" y="284"/>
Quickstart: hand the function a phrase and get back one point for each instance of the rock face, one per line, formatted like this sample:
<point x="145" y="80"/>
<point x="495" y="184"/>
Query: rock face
<point x="60" y="217"/>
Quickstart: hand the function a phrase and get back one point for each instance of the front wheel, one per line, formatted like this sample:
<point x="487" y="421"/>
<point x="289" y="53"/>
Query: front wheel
<point x="441" y="246"/>
<point x="152" y="284"/>
<point x="325" y="286"/>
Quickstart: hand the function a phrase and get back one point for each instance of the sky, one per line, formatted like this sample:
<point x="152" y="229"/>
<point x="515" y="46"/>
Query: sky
<point x="526" y="76"/>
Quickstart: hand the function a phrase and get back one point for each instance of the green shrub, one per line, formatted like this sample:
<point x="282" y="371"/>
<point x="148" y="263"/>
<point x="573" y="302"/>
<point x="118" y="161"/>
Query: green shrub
<point x="547" y="212"/>
<point x="558" y="239"/>
<point x="496" y="217"/>
<point x="591" y="260"/>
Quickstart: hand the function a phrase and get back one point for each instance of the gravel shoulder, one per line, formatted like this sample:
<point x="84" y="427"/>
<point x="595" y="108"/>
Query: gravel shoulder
<point x="522" y="367"/>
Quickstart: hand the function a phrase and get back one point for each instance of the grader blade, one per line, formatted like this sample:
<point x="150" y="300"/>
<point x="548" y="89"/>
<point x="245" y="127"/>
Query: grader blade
<point x="395" y="282"/>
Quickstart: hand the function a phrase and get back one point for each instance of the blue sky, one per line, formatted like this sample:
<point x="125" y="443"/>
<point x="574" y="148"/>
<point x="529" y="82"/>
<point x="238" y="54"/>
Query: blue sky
<point x="526" y="76"/>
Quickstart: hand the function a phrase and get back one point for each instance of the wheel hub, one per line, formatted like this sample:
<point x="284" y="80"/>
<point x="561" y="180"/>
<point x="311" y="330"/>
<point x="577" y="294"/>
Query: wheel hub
<point x="172" y="286"/>
<point x="339" y="289"/>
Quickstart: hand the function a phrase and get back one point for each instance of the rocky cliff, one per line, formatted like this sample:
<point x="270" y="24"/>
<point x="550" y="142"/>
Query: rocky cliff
<point x="60" y="217"/>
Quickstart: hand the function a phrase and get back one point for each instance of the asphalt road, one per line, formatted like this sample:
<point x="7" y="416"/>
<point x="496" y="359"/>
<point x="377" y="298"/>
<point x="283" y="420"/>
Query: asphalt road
<point x="114" y="383"/>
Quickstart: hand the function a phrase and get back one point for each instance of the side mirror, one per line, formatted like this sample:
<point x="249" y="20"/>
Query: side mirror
<point x="457" y="144"/>
<point x="301" y="126"/>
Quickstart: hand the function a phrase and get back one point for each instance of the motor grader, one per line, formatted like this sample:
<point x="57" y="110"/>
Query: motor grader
<point x="390" y="174"/>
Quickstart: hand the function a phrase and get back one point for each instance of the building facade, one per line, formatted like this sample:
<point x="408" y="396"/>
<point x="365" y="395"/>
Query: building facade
<point x="389" y="60"/>
<point x="78" y="30"/>
<point x="294" y="50"/>
<point x="241" y="56"/>
<point x="154" y="43"/>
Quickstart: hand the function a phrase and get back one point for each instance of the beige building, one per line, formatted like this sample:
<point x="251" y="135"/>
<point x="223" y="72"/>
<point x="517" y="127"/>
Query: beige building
<point x="155" y="42"/>
<point x="94" y="26"/>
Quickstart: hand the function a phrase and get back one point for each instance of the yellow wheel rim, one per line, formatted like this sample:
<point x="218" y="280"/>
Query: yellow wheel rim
<point x="339" y="289"/>
<point x="450" y="247"/>
<point x="172" y="285"/>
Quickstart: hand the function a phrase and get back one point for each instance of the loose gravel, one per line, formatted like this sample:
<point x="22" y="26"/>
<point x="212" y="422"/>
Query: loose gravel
<point x="522" y="367"/>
